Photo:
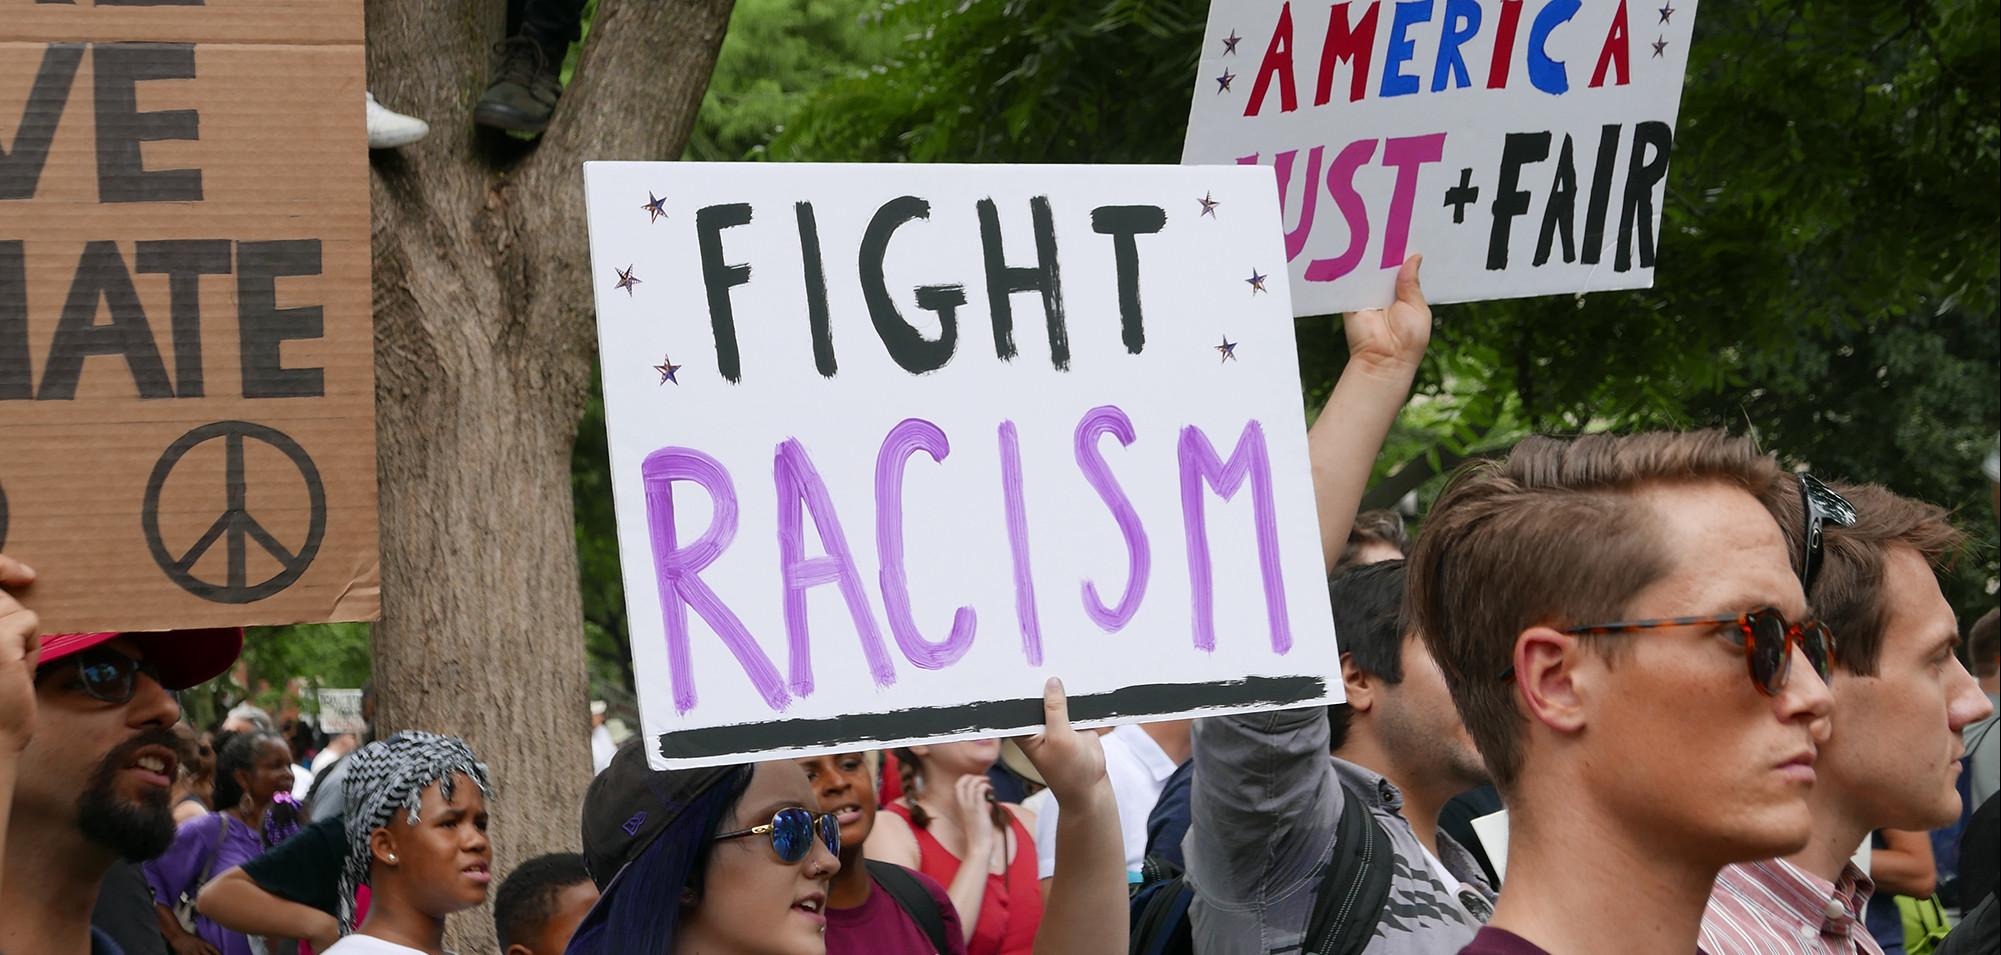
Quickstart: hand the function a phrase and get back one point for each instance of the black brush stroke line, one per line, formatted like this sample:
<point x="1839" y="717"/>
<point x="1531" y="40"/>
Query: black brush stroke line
<point x="1142" y="700"/>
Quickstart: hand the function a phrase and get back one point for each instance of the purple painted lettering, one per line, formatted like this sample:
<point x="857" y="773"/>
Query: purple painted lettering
<point x="1199" y="464"/>
<point x="799" y="484"/>
<point x="1017" y="542"/>
<point x="676" y="570"/>
<point x="908" y="437"/>
<point x="1106" y="419"/>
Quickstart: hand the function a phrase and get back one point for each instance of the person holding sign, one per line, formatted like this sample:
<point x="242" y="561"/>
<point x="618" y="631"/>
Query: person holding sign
<point x="950" y="827"/>
<point x="751" y="862"/>
<point x="1648" y="696"/>
<point x="95" y="780"/>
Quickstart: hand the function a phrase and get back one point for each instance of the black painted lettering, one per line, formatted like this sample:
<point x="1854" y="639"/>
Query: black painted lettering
<point x="1562" y="205"/>
<point x="1644" y="170"/>
<point x="185" y="261"/>
<point x="263" y="328"/>
<point x="122" y="175"/>
<point x="906" y="346"/>
<point x="1510" y="200"/>
<point x="1601" y="193"/>
<point x="1122" y="223"/>
<point x="16" y="382"/>
<point x="719" y="278"/>
<point x="1004" y="281"/>
<point x="101" y="275"/>
<point x="21" y="162"/>
<point x="816" y="290"/>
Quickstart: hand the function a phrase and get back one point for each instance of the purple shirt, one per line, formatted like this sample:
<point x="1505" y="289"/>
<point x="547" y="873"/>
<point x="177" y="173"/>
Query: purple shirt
<point x="204" y="844"/>
<point x="880" y="927"/>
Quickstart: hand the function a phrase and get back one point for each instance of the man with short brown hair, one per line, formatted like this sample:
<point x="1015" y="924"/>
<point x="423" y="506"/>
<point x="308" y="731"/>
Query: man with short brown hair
<point x="1901" y="700"/>
<point x="1596" y="604"/>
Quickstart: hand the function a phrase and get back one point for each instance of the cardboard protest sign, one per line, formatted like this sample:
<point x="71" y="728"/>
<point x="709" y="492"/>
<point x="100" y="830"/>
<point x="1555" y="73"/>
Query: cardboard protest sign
<point x="1520" y="145"/>
<point x="891" y="445"/>
<point x="186" y="378"/>
<point x="340" y="712"/>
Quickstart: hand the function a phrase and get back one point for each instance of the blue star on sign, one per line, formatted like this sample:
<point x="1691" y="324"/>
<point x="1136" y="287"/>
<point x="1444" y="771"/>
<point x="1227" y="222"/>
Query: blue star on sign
<point x="1256" y="282"/>
<point x="1223" y="82"/>
<point x="656" y="208"/>
<point x="1660" y="47"/>
<point x="626" y="280"/>
<point x="667" y="368"/>
<point x="1666" y="11"/>
<point x="1228" y="349"/>
<point x="1209" y="204"/>
<point x="1230" y="43"/>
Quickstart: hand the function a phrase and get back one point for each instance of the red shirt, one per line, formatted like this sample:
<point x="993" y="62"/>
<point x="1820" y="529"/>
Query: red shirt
<point x="1500" y="941"/>
<point x="879" y="926"/>
<point x="1777" y="908"/>
<point x="1011" y="909"/>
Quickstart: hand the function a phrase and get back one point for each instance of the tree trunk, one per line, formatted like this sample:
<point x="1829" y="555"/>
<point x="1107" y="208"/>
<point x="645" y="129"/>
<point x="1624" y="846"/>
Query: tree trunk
<point x="484" y="339"/>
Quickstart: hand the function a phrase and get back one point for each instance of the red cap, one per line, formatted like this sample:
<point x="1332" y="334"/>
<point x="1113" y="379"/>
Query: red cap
<point x="184" y="657"/>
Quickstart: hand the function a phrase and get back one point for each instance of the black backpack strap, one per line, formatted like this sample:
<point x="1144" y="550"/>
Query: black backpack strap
<point x="1160" y="919"/>
<point x="1350" y="900"/>
<point x="912" y="897"/>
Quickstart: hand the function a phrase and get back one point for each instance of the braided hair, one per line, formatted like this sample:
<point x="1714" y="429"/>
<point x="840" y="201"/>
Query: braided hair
<point x="392" y="774"/>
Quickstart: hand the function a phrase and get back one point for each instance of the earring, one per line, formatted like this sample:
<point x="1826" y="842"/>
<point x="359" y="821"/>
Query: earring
<point x="392" y="858"/>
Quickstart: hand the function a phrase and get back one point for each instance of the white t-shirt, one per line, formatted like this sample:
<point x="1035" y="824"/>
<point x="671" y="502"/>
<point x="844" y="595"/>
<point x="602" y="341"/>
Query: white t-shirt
<point x="1138" y="768"/>
<point x="359" y="944"/>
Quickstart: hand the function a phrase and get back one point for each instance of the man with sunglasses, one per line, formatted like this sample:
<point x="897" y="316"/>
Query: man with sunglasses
<point x="1901" y="701"/>
<point x="1620" y="628"/>
<point x="95" y="780"/>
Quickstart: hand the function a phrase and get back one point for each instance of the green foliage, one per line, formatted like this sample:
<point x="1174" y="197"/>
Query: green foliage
<point x="776" y="53"/>
<point x="319" y="655"/>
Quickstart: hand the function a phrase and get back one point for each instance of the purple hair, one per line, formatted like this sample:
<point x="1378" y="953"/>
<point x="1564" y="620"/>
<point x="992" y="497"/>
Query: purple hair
<point x="640" y="911"/>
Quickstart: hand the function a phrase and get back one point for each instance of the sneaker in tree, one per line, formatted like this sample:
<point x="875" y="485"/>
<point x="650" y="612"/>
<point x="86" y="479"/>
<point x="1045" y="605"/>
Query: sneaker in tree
<point x="388" y="129"/>
<point x="524" y="91"/>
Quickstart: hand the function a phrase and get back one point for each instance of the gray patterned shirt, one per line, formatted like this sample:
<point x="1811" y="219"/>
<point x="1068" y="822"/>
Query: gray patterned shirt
<point x="1265" y="803"/>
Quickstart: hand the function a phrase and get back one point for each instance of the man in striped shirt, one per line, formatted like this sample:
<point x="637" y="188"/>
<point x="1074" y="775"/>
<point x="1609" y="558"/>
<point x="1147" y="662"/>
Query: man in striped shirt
<point x="1900" y="700"/>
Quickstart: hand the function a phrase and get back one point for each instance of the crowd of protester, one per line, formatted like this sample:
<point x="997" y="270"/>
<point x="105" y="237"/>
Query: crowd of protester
<point x="1721" y="703"/>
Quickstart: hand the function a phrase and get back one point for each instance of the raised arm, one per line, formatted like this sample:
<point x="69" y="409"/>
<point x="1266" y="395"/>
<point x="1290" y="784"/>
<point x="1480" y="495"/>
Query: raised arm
<point x="1264" y="804"/>
<point x="1384" y="349"/>
<point x="1086" y="913"/>
<point x="18" y="651"/>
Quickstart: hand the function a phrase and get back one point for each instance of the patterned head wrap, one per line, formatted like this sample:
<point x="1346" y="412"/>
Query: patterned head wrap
<point x="392" y="774"/>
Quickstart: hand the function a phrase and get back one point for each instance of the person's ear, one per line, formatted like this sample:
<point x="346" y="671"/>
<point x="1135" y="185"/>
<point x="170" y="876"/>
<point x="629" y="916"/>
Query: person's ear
<point x="1549" y="679"/>
<point x="382" y="847"/>
<point x="1360" y="684"/>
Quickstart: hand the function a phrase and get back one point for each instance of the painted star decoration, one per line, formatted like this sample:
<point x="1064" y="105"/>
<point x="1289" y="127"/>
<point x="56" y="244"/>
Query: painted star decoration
<point x="656" y="208"/>
<point x="667" y="369"/>
<point x="1228" y="349"/>
<point x="1256" y="282"/>
<point x="1230" y="43"/>
<point x="1660" y="47"/>
<point x="1223" y="82"/>
<point x="626" y="280"/>
<point x="1666" y="11"/>
<point x="1209" y="204"/>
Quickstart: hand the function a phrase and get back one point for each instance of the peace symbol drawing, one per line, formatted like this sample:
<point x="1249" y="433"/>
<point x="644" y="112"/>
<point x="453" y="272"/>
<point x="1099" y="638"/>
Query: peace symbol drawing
<point x="235" y="528"/>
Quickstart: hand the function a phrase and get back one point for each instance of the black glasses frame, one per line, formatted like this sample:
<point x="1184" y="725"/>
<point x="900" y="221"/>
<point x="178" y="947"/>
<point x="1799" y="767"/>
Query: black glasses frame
<point x="824" y="823"/>
<point x="1820" y="505"/>
<point x="107" y="675"/>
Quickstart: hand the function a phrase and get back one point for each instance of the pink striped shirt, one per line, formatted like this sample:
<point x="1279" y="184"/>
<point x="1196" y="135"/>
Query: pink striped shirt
<point x="1776" y="908"/>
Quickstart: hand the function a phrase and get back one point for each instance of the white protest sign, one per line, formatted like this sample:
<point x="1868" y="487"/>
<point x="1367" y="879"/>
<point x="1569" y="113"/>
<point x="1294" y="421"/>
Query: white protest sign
<point x="1520" y="145"/>
<point x="340" y="712"/>
<point x="891" y="445"/>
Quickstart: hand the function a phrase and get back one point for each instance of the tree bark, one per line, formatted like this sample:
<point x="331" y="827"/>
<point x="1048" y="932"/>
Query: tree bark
<point x="484" y="341"/>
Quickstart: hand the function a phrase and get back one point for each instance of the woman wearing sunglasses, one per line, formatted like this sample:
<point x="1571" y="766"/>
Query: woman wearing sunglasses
<point x="735" y="860"/>
<point x="251" y="770"/>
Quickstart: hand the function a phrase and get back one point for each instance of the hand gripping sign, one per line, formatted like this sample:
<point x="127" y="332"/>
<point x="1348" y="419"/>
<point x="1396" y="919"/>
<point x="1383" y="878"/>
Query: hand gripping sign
<point x="893" y="444"/>
<point x="1521" y="145"/>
